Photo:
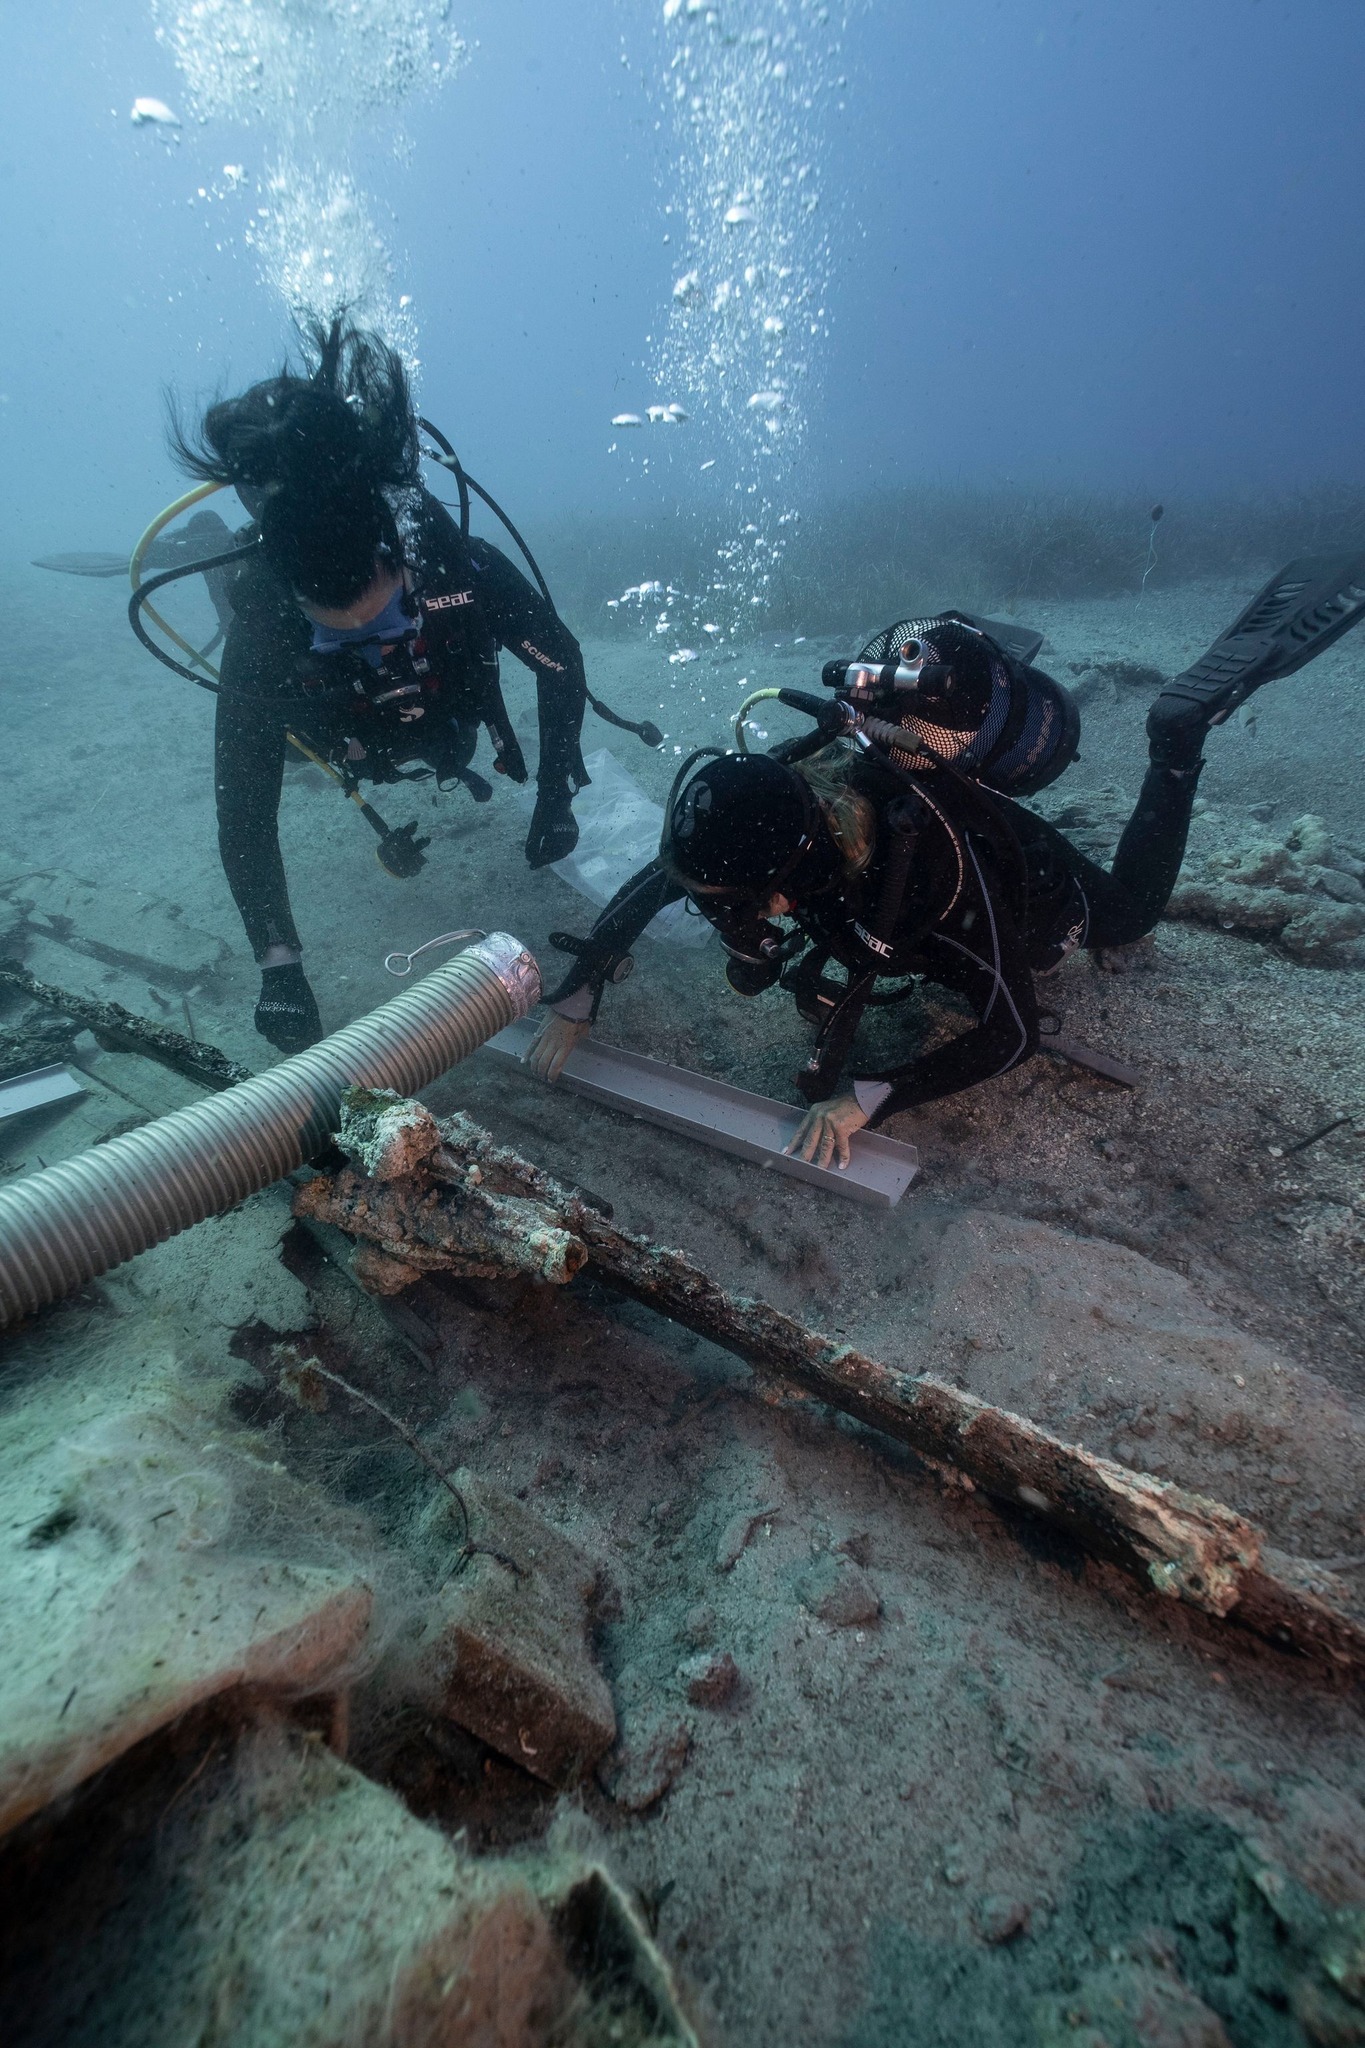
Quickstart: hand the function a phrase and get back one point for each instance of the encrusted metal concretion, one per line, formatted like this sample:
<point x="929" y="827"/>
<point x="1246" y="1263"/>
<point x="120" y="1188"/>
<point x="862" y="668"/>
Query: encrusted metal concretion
<point x="515" y="968"/>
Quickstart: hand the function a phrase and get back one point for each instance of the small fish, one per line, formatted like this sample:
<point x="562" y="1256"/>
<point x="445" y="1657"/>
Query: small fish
<point x="627" y="419"/>
<point x="739" y="216"/>
<point x="711" y="464"/>
<point x="153" y="113"/>
<point x="767" y="401"/>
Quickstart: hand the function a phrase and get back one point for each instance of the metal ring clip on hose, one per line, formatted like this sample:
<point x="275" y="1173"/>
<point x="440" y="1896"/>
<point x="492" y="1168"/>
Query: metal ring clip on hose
<point x="401" y="963"/>
<point x="69" y="1223"/>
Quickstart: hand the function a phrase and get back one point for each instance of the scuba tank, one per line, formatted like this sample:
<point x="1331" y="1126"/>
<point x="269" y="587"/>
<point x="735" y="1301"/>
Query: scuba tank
<point x="966" y="690"/>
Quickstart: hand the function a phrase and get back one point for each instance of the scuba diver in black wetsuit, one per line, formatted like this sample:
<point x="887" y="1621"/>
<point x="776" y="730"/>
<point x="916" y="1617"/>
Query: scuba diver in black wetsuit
<point x="891" y="841"/>
<point x="367" y="623"/>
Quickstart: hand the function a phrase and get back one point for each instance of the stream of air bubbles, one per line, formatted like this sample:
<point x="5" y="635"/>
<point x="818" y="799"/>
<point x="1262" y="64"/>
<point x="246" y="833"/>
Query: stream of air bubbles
<point x="750" y="93"/>
<point x="310" y="75"/>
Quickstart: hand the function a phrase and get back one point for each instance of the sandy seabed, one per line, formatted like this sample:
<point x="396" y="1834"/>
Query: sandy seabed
<point x="1000" y="1794"/>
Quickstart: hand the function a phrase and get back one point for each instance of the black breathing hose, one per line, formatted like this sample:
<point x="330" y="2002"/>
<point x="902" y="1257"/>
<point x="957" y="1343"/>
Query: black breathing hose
<point x="148" y="589"/>
<point x="645" y="730"/>
<point x="448" y="459"/>
<point x="888" y="740"/>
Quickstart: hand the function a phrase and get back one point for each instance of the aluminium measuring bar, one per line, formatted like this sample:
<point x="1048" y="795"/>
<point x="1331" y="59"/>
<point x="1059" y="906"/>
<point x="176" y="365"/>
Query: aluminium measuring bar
<point x="36" y="1090"/>
<point x="751" y="1127"/>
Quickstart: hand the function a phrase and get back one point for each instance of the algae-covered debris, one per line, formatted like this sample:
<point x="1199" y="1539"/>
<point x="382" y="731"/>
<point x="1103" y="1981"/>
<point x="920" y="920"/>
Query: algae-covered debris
<point x="1297" y="886"/>
<point x="1172" y="1929"/>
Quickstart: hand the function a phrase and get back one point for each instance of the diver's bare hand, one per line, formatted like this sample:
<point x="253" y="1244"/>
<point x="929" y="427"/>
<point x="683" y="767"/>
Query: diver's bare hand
<point x="553" y="1043"/>
<point x="824" y="1131"/>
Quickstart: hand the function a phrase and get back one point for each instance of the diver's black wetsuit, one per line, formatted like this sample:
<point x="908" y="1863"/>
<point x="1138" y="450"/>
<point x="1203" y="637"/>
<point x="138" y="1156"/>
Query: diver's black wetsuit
<point x="975" y="917"/>
<point x="471" y="602"/>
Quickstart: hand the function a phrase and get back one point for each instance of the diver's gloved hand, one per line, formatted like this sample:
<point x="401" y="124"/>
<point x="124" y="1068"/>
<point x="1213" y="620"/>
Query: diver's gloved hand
<point x="824" y="1131"/>
<point x="554" y="829"/>
<point x="287" y="1012"/>
<point x="553" y="1043"/>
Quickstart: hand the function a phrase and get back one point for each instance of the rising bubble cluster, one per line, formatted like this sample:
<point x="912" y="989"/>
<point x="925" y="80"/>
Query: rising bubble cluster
<point x="310" y="73"/>
<point x="752" y="90"/>
<point x="319" y="246"/>
<point x="296" y="63"/>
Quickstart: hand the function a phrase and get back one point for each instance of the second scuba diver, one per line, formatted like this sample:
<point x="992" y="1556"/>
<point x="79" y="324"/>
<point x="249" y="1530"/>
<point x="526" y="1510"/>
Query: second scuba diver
<point x="899" y="850"/>
<point x="368" y="624"/>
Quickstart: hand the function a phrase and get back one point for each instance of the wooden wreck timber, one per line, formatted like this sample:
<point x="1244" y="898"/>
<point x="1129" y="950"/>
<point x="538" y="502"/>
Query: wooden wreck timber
<point x="424" y="1195"/>
<point x="118" y="1030"/>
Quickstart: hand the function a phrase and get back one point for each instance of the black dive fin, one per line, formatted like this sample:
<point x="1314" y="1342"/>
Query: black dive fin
<point x="1297" y="616"/>
<point x="84" y="565"/>
<point x="206" y="534"/>
<point x="1019" y="641"/>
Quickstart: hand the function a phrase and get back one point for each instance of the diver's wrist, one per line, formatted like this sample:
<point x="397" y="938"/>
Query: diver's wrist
<point x="577" y="1007"/>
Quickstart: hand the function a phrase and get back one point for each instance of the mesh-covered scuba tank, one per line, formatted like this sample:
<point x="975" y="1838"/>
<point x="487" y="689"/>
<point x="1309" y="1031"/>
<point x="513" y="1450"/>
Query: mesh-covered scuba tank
<point x="967" y="690"/>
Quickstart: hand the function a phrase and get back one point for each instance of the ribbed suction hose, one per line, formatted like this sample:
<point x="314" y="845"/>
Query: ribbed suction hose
<point x="65" y="1225"/>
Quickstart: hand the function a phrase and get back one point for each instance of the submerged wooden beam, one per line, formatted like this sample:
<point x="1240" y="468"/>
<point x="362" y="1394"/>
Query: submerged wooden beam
<point x="118" y="1030"/>
<point x="435" y="1195"/>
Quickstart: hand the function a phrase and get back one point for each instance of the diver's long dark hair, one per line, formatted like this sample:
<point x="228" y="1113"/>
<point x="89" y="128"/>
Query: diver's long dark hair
<point x="323" y="447"/>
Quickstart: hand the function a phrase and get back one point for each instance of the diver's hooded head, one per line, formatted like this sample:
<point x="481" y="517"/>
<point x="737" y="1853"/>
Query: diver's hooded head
<point x="746" y="828"/>
<point x="319" y="456"/>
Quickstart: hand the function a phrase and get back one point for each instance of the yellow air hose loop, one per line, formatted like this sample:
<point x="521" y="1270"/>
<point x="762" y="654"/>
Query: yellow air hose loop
<point x="194" y="497"/>
<point x="163" y="519"/>
<point x="741" y="716"/>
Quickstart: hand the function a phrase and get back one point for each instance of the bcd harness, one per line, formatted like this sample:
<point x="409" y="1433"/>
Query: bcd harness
<point x="381" y="708"/>
<point x="902" y="820"/>
<point x="399" y="851"/>
<point x="915" y="696"/>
